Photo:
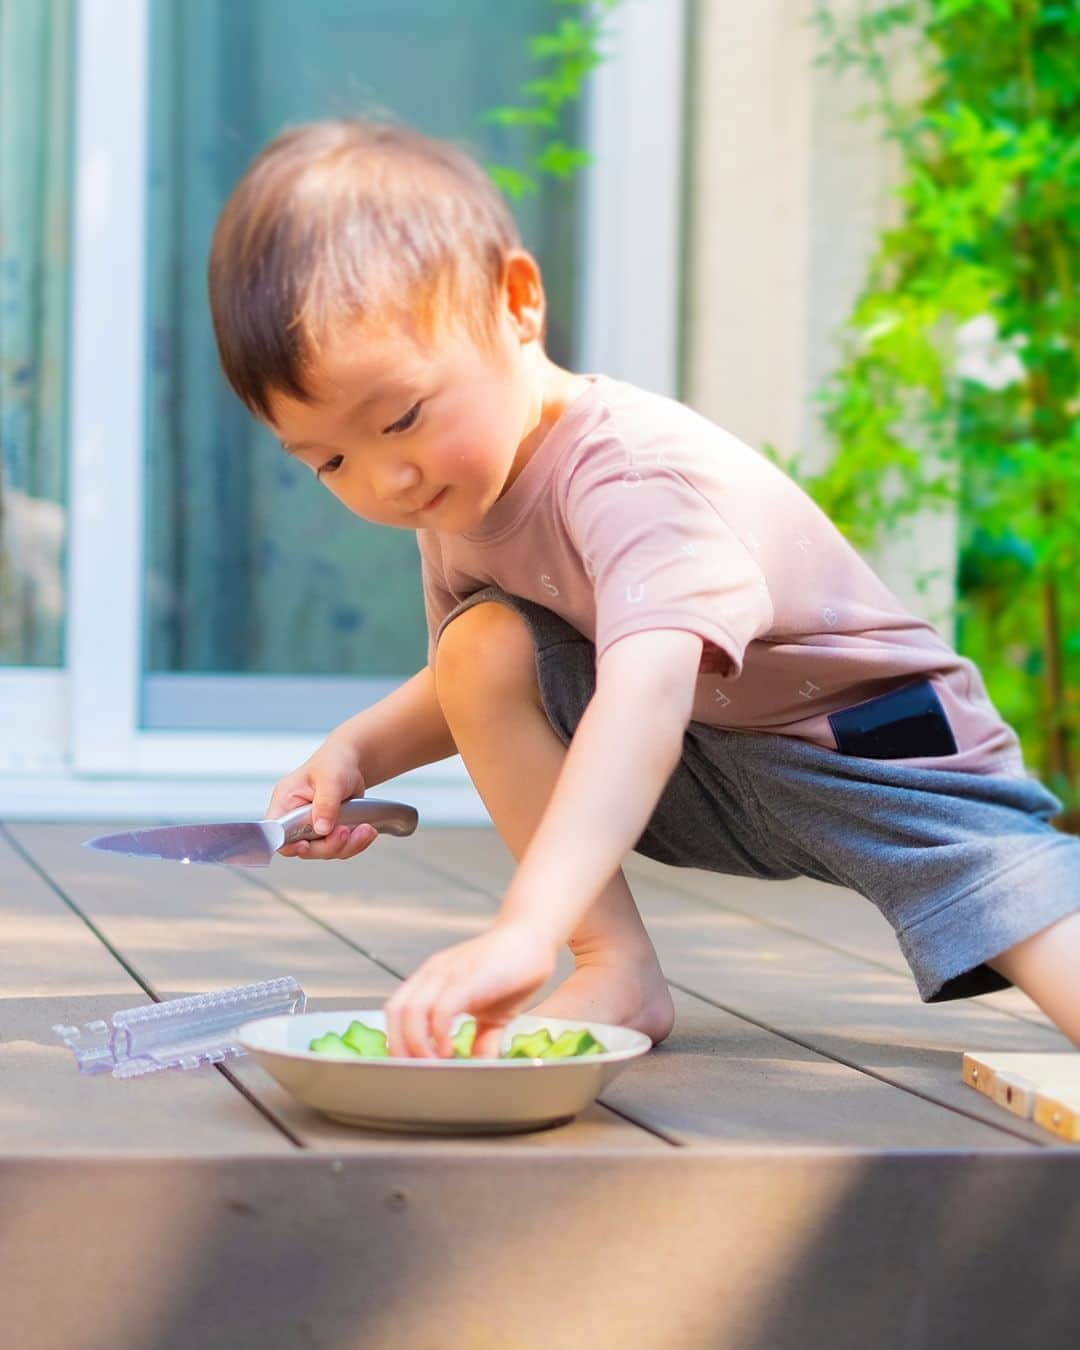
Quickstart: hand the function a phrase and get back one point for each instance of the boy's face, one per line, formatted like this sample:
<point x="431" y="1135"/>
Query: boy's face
<point x="412" y="435"/>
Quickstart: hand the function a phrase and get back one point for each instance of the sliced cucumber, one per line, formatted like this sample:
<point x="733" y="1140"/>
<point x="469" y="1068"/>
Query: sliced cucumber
<point x="529" y="1045"/>
<point x="573" y="1043"/>
<point x="367" y="1041"/>
<point x="463" y="1039"/>
<point x="364" y="1042"/>
<point x="333" y="1044"/>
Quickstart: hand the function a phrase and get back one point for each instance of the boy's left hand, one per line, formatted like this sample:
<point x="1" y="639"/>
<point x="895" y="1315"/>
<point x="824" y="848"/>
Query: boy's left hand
<point x="491" y="977"/>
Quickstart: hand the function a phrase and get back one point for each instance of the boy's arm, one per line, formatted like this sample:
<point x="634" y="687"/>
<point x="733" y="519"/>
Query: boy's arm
<point x="625" y="748"/>
<point x="400" y="732"/>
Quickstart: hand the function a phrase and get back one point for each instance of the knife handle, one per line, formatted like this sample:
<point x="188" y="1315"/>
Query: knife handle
<point x="387" y="817"/>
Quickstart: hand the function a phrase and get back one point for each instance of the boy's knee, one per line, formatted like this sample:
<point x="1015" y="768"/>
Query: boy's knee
<point x="486" y="653"/>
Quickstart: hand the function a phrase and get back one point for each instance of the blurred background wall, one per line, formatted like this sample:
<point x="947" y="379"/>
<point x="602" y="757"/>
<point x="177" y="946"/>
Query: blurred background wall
<point x="789" y="191"/>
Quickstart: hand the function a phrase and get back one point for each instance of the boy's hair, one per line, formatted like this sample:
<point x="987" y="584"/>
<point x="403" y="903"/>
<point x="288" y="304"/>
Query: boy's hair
<point x="342" y="222"/>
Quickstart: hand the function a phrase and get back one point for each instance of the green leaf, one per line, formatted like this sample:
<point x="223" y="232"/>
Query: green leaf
<point x="512" y="181"/>
<point x="560" y="160"/>
<point x="950" y="9"/>
<point x="521" y="117"/>
<point x="571" y="51"/>
<point x="571" y="38"/>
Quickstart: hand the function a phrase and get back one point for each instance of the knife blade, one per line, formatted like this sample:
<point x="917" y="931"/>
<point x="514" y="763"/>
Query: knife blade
<point x="250" y="843"/>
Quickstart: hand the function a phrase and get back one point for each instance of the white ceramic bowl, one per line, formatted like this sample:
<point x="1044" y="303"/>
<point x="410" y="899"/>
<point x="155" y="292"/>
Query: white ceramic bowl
<point x="438" y="1096"/>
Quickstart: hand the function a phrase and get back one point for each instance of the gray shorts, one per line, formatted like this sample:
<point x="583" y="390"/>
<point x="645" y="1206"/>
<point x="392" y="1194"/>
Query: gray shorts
<point x="962" y="865"/>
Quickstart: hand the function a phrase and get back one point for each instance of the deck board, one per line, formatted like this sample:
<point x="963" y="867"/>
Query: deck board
<point x="674" y="1251"/>
<point x="839" y="1003"/>
<point x="191" y="929"/>
<point x="782" y="1039"/>
<point x="53" y="970"/>
<point x="831" y="915"/>
<point x="792" y="1167"/>
<point x="694" y="1087"/>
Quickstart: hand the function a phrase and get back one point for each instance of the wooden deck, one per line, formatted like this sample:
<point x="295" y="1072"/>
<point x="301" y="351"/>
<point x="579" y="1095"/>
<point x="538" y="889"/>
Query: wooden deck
<point x="798" y="1166"/>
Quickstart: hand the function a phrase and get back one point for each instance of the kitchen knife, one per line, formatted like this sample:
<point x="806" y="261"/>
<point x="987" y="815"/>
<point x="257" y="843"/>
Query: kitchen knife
<point x="251" y="843"/>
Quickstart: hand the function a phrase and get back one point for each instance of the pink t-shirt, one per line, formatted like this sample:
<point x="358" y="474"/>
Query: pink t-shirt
<point x="636" y="513"/>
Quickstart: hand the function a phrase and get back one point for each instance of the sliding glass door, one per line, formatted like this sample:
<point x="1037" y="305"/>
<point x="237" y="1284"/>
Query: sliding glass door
<point x="36" y="56"/>
<point x="267" y="605"/>
<point x="218" y="612"/>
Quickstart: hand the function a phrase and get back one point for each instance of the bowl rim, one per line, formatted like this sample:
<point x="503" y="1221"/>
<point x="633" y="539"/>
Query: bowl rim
<point x="642" y="1046"/>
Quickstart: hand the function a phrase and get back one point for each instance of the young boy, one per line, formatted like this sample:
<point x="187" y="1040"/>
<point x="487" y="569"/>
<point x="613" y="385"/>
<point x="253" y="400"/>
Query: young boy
<point x="643" y="635"/>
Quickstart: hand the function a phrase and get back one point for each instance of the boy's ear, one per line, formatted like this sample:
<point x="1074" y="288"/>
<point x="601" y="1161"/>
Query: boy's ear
<point x="523" y="294"/>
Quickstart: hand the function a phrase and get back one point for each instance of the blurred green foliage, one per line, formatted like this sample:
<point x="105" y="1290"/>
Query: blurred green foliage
<point x="959" y="379"/>
<point x="567" y="55"/>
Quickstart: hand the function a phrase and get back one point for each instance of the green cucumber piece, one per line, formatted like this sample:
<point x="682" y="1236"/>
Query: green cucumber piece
<point x="572" y="1043"/>
<point x="367" y="1041"/>
<point x="364" y="1042"/>
<point x="463" y="1038"/>
<point x="334" y="1045"/>
<point x="530" y="1044"/>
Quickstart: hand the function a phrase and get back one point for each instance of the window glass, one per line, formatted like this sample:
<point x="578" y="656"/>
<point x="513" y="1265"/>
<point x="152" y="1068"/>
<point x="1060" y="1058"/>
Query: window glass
<point x="35" y="202"/>
<point x="252" y="567"/>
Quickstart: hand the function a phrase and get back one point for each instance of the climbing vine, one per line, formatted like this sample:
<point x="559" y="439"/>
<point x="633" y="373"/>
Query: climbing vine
<point x="566" y="55"/>
<point x="959" y="377"/>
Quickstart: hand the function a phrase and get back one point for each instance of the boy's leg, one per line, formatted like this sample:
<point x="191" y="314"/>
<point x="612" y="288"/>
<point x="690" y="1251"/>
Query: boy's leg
<point x="1046" y="966"/>
<point x="485" y="675"/>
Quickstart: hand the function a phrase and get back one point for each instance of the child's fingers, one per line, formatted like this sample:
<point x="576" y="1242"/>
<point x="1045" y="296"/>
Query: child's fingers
<point x="347" y="842"/>
<point x="287" y="796"/>
<point x="330" y="790"/>
<point x="488" y="1041"/>
<point x="360" y="837"/>
<point x="323" y="849"/>
<point x="408" y="1018"/>
<point x="343" y="843"/>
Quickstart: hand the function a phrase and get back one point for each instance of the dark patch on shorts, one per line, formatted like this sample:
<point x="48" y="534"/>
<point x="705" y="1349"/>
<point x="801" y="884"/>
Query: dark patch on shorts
<point x="907" y="723"/>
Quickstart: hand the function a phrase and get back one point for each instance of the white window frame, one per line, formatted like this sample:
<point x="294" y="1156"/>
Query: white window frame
<point x="94" y="756"/>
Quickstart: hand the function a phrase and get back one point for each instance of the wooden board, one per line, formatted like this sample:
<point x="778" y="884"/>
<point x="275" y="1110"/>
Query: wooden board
<point x="54" y="970"/>
<point x="837" y="1003"/>
<point x="723" y="1079"/>
<point x="833" y="916"/>
<point x="191" y="929"/>
<point x="781" y="1041"/>
<point x="1041" y="1087"/>
<point x="800" y="1154"/>
<point x="679" y="1250"/>
<point x="827" y="916"/>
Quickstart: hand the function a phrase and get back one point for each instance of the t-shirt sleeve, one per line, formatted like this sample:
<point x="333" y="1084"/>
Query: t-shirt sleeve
<point x="661" y="554"/>
<point x="438" y="599"/>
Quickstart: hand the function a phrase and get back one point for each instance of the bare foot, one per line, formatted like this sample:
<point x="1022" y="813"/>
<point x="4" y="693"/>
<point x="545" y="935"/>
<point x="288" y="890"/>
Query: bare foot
<point x="623" y="993"/>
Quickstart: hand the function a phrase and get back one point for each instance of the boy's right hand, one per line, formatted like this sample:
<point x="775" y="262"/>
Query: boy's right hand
<point x="331" y="776"/>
